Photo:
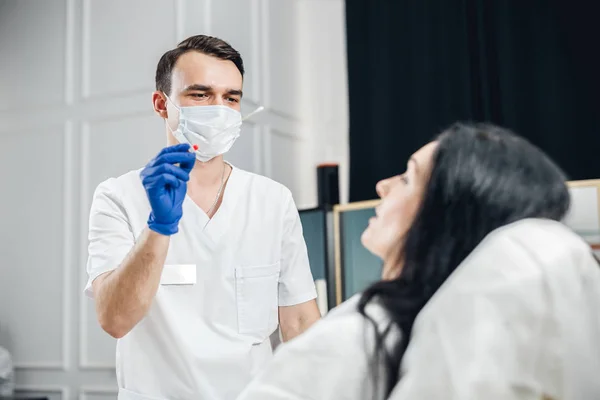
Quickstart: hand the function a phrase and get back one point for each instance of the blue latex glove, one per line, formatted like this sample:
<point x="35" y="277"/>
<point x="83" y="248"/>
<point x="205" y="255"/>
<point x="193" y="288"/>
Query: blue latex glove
<point x="165" y="185"/>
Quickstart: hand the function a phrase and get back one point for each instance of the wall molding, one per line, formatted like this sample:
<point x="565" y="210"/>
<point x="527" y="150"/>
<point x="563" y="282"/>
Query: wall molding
<point x="256" y="47"/>
<point x="284" y="115"/>
<point x="42" y="365"/>
<point x="85" y="365"/>
<point x="267" y="143"/>
<point x="125" y="103"/>
<point x="207" y="17"/>
<point x="120" y="117"/>
<point x="69" y="51"/>
<point x="179" y="24"/>
<point x="86" y="390"/>
<point x="85" y="49"/>
<point x="258" y="149"/>
<point x="84" y="185"/>
<point x="63" y="390"/>
<point x="265" y="70"/>
<point x="283" y="133"/>
<point x="68" y="250"/>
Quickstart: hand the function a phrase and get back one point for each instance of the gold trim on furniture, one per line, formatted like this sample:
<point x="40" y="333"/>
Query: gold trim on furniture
<point x="359" y="205"/>
<point x="584" y="183"/>
<point x="589" y="183"/>
<point x="337" y="210"/>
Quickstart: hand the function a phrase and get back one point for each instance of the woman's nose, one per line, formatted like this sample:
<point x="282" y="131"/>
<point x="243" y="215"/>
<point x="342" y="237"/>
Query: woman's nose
<point x="382" y="187"/>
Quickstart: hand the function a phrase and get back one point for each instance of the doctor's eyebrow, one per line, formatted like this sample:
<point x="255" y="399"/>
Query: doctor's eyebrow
<point x="198" y="87"/>
<point x="207" y="88"/>
<point x="235" y="92"/>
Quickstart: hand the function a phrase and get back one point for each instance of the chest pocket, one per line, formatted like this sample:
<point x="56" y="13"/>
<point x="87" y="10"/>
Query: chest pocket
<point x="257" y="299"/>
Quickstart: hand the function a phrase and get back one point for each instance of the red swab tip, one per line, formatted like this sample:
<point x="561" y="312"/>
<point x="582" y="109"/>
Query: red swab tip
<point x="195" y="147"/>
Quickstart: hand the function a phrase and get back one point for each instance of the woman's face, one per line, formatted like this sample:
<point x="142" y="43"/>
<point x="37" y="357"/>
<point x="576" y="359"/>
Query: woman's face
<point x="401" y="197"/>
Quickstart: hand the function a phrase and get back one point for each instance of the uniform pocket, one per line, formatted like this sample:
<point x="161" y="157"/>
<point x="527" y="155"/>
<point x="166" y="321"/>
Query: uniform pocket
<point x="256" y="297"/>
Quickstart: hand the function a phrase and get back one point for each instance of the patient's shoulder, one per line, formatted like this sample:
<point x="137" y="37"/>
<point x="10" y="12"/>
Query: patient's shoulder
<point x="344" y="318"/>
<point x="347" y="328"/>
<point x="337" y="348"/>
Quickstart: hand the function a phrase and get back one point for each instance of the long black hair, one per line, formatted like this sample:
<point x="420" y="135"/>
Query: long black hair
<point x="483" y="177"/>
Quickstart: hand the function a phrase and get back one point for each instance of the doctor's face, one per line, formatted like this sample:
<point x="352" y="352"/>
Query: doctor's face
<point x="201" y="80"/>
<point x="401" y="197"/>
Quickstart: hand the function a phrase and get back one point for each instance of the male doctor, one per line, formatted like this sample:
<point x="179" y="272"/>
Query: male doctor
<point x="193" y="263"/>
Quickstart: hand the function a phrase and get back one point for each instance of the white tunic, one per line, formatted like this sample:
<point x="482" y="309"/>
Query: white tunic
<point x="207" y="331"/>
<point x="518" y="319"/>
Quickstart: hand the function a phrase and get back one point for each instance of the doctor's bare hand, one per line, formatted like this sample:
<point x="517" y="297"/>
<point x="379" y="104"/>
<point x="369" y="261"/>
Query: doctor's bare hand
<point x="164" y="179"/>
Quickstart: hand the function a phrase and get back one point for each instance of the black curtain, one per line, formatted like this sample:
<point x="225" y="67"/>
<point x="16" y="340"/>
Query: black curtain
<point x="416" y="66"/>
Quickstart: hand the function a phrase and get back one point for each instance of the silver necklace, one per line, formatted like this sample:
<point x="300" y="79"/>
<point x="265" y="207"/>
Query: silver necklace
<point x="219" y="192"/>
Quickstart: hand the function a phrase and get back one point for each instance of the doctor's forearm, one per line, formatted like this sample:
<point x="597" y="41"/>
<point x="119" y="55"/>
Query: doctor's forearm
<point x="125" y="295"/>
<point x="294" y="320"/>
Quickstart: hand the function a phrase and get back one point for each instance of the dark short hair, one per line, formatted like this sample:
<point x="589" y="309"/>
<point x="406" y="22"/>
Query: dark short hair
<point x="209" y="45"/>
<point x="483" y="177"/>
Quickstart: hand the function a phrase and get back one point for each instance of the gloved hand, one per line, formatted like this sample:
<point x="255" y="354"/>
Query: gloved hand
<point x="165" y="185"/>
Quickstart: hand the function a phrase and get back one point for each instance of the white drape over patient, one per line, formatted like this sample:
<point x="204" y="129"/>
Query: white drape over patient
<point x="518" y="319"/>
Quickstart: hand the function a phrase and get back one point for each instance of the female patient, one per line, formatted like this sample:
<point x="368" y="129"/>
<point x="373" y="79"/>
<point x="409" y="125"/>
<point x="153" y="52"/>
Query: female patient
<point x="484" y="294"/>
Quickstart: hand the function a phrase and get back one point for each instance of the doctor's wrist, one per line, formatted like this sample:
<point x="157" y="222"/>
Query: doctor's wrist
<point x="163" y="229"/>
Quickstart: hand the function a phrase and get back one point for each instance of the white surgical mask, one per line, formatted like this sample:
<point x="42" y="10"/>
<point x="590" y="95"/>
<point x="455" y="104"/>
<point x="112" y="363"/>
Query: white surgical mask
<point x="212" y="129"/>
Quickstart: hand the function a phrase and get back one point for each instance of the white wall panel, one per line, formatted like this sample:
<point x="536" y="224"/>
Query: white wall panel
<point x="113" y="147"/>
<point x="245" y="153"/>
<point x="97" y="348"/>
<point x="32" y="61"/>
<point x="122" y="43"/>
<point x="285" y="157"/>
<point x="226" y="14"/>
<point x="193" y="18"/>
<point x="281" y="63"/>
<point x="31" y="301"/>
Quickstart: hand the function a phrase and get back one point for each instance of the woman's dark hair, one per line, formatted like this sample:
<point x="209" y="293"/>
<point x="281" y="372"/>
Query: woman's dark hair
<point x="483" y="177"/>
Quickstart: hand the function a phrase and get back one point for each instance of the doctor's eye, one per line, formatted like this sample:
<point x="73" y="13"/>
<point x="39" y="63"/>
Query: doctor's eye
<point x="233" y="100"/>
<point x="199" y="95"/>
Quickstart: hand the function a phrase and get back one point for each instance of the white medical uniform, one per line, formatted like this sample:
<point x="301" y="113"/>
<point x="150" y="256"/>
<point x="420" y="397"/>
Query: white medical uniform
<point x="207" y="331"/>
<point x="518" y="319"/>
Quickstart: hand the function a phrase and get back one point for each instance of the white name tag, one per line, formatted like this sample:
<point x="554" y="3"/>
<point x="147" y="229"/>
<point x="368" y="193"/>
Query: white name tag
<point x="178" y="274"/>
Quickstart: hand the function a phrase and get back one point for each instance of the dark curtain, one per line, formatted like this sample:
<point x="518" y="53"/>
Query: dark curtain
<point x="416" y="66"/>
